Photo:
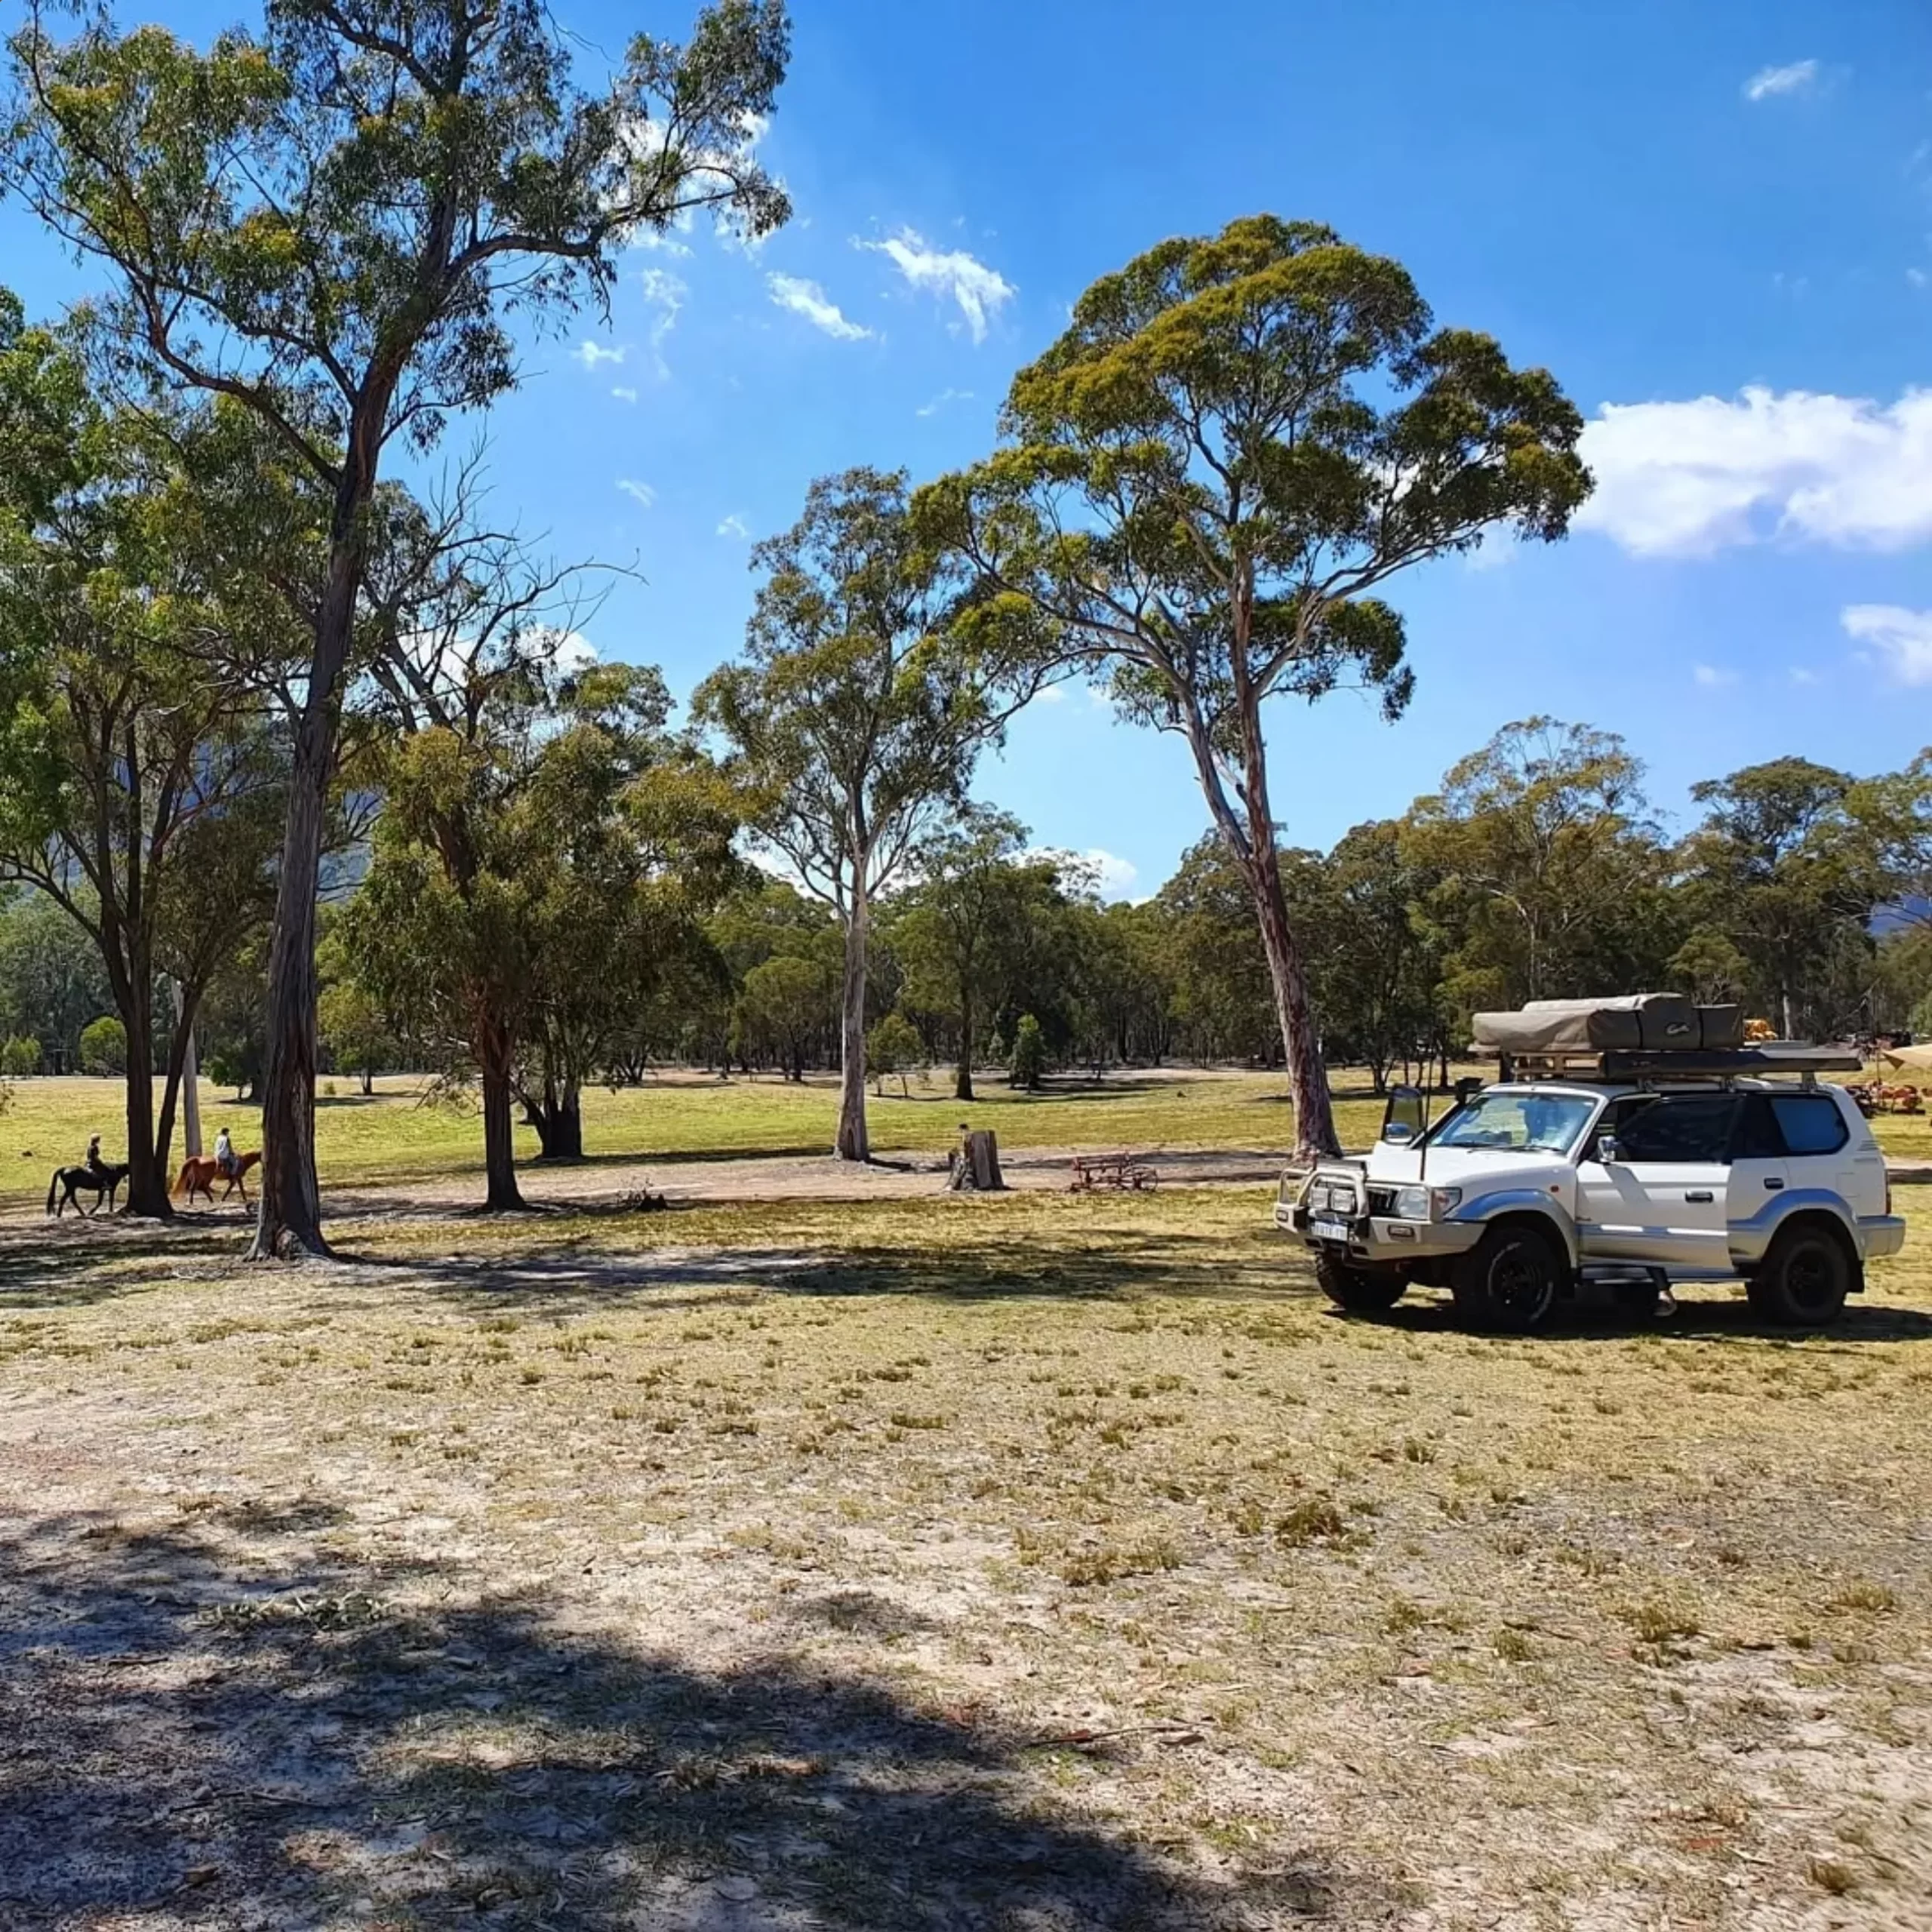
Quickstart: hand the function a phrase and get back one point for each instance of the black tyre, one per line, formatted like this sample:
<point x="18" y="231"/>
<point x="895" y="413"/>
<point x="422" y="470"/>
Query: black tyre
<point x="1807" y="1273"/>
<point x="1360" y="1290"/>
<point x="1509" y="1281"/>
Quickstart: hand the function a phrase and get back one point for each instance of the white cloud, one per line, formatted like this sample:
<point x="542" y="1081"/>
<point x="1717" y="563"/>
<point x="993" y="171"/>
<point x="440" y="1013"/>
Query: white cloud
<point x="1801" y="675"/>
<point x="641" y="493"/>
<point x="951" y="274"/>
<point x="1687" y="478"/>
<point x="734" y="527"/>
<point x="1049" y="694"/>
<point x="1112" y="877"/>
<point x="1917" y="278"/>
<point x="940" y="401"/>
<point x="1711" y="678"/>
<point x="592" y="354"/>
<point x="625" y="395"/>
<point x="1902" y="639"/>
<point x="571" y="651"/>
<point x="1767" y="81"/>
<point x="665" y="294"/>
<point x="806" y="299"/>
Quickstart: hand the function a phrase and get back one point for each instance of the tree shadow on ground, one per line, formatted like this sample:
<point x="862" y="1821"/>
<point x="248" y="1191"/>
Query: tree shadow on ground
<point x="1172" y="1265"/>
<point x="188" y="1733"/>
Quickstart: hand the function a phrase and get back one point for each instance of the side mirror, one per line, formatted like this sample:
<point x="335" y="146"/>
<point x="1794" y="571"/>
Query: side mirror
<point x="1607" y="1150"/>
<point x="1404" y="1118"/>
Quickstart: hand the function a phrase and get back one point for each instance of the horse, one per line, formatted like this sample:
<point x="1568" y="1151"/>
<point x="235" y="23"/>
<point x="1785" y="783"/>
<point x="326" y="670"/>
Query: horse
<point x="199" y="1173"/>
<point x="69" y="1182"/>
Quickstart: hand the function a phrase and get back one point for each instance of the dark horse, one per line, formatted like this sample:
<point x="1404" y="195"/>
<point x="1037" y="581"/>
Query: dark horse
<point x="69" y="1183"/>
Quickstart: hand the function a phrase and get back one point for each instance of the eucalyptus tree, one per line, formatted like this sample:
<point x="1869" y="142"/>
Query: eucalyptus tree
<point x="330" y="223"/>
<point x="143" y="795"/>
<point x="1238" y="441"/>
<point x="873" y="680"/>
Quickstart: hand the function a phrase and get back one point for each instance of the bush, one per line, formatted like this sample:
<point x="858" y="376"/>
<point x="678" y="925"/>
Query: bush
<point x="1029" y="1053"/>
<point x="893" y="1046"/>
<point x="104" y="1047"/>
<point x="20" y="1056"/>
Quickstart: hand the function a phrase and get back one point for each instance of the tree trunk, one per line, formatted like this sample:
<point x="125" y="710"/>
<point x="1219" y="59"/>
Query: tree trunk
<point x="499" y="1135"/>
<point x="369" y="1083"/>
<point x="147" y="1183"/>
<point x="1253" y="847"/>
<point x="1308" y="1078"/>
<point x="290" y="1217"/>
<point x="962" y="1078"/>
<point x="853" y="1143"/>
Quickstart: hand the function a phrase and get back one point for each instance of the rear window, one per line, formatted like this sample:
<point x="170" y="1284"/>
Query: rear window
<point x="1810" y="1123"/>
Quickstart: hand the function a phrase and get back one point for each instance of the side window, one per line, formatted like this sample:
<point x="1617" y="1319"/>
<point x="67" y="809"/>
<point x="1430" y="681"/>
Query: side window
<point x="1811" y="1123"/>
<point x="1757" y="1136"/>
<point x="1680" y="1127"/>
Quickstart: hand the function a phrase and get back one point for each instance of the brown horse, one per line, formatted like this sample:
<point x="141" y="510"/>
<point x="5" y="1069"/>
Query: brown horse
<point x="199" y="1173"/>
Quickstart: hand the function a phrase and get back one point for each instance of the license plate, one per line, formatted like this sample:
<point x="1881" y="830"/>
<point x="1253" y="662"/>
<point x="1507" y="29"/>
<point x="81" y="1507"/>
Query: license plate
<point x="1329" y="1230"/>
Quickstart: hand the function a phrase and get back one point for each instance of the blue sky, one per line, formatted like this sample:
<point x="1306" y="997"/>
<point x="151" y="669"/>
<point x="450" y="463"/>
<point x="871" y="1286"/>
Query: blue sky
<point x="1713" y="221"/>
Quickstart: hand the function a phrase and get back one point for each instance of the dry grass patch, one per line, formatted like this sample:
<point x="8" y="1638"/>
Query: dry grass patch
<point x="590" y="1570"/>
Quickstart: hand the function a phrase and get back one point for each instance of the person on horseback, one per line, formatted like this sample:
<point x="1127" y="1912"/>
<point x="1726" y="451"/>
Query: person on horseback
<point x="94" y="1163"/>
<point x="224" y="1155"/>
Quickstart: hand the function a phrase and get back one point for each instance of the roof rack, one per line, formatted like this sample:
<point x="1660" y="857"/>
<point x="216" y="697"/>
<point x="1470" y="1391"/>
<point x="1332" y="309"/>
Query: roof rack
<point x="1772" y="1056"/>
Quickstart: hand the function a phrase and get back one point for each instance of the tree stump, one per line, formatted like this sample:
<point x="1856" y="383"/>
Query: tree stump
<point x="974" y="1167"/>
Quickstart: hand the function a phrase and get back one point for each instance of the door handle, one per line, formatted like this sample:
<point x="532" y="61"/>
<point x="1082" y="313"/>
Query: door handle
<point x="1773" y="1183"/>
<point x="1698" y="1194"/>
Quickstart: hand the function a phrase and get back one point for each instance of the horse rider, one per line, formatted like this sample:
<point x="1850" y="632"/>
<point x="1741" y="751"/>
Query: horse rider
<point x="95" y="1163"/>
<point x="224" y="1155"/>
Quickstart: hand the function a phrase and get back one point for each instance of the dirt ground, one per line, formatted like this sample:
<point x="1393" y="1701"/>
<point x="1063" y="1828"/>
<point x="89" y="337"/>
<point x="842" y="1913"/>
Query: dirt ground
<point x="1042" y="1562"/>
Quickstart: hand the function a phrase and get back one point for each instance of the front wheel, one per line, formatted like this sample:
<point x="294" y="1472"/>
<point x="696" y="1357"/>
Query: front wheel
<point x="1508" y="1281"/>
<point x="1360" y="1290"/>
<point x="1806" y="1274"/>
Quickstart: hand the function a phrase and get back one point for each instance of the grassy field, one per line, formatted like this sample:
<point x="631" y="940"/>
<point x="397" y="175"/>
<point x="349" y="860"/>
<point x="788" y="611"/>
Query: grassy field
<point x="393" y="1133"/>
<point x="1029" y="1562"/>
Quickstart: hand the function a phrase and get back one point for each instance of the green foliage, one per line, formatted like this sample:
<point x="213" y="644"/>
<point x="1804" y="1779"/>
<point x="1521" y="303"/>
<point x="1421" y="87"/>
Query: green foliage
<point x="1548" y="872"/>
<point x="786" y="1003"/>
<point x="893" y="1046"/>
<point x="1027" y="1067"/>
<point x="1779" y="866"/>
<point x="20" y="1056"/>
<point x="104" y="1047"/>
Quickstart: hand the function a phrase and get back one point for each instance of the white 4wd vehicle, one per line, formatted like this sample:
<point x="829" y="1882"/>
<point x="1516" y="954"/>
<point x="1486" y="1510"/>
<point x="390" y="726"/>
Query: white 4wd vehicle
<point x="1529" y="1188"/>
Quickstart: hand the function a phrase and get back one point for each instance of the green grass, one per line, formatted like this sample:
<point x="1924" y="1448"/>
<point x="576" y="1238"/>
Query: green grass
<point x="394" y="1136"/>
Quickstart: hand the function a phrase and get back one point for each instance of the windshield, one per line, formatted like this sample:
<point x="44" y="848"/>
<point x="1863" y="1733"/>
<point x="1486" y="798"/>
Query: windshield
<point x="1518" y="1123"/>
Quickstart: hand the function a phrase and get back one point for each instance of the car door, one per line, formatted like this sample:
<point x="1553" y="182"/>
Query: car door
<point x="1759" y="1170"/>
<point x="1665" y="1198"/>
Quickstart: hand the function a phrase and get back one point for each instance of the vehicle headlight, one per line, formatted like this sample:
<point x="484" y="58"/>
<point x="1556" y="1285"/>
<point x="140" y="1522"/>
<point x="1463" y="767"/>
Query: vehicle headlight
<point x="1427" y="1203"/>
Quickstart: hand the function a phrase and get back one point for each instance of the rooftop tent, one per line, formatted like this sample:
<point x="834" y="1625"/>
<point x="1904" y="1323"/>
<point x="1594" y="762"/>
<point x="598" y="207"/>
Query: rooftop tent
<point x="1632" y="1022"/>
<point x="1919" y="1058"/>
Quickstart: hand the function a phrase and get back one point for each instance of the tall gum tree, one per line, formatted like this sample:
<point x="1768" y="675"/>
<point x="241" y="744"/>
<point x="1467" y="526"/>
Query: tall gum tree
<point x="1204" y="480"/>
<point x="330" y="222"/>
<point x="143" y="790"/>
<point x="872" y="681"/>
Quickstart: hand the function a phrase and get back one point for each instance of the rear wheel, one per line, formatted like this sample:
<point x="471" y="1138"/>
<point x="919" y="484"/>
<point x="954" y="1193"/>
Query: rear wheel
<point x="1806" y="1274"/>
<point x="1360" y="1290"/>
<point x="1509" y="1280"/>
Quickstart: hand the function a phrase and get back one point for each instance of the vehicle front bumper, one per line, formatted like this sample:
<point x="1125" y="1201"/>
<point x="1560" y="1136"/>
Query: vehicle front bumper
<point x="1382" y="1239"/>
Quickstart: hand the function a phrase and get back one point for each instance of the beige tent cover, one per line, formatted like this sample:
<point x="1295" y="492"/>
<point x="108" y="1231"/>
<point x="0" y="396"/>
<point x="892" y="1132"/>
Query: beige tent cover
<point x="1917" y="1057"/>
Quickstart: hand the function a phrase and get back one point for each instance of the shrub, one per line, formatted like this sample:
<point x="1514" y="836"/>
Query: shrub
<point x="893" y="1046"/>
<point x="104" y="1047"/>
<point x="1029" y="1053"/>
<point x="20" y="1056"/>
